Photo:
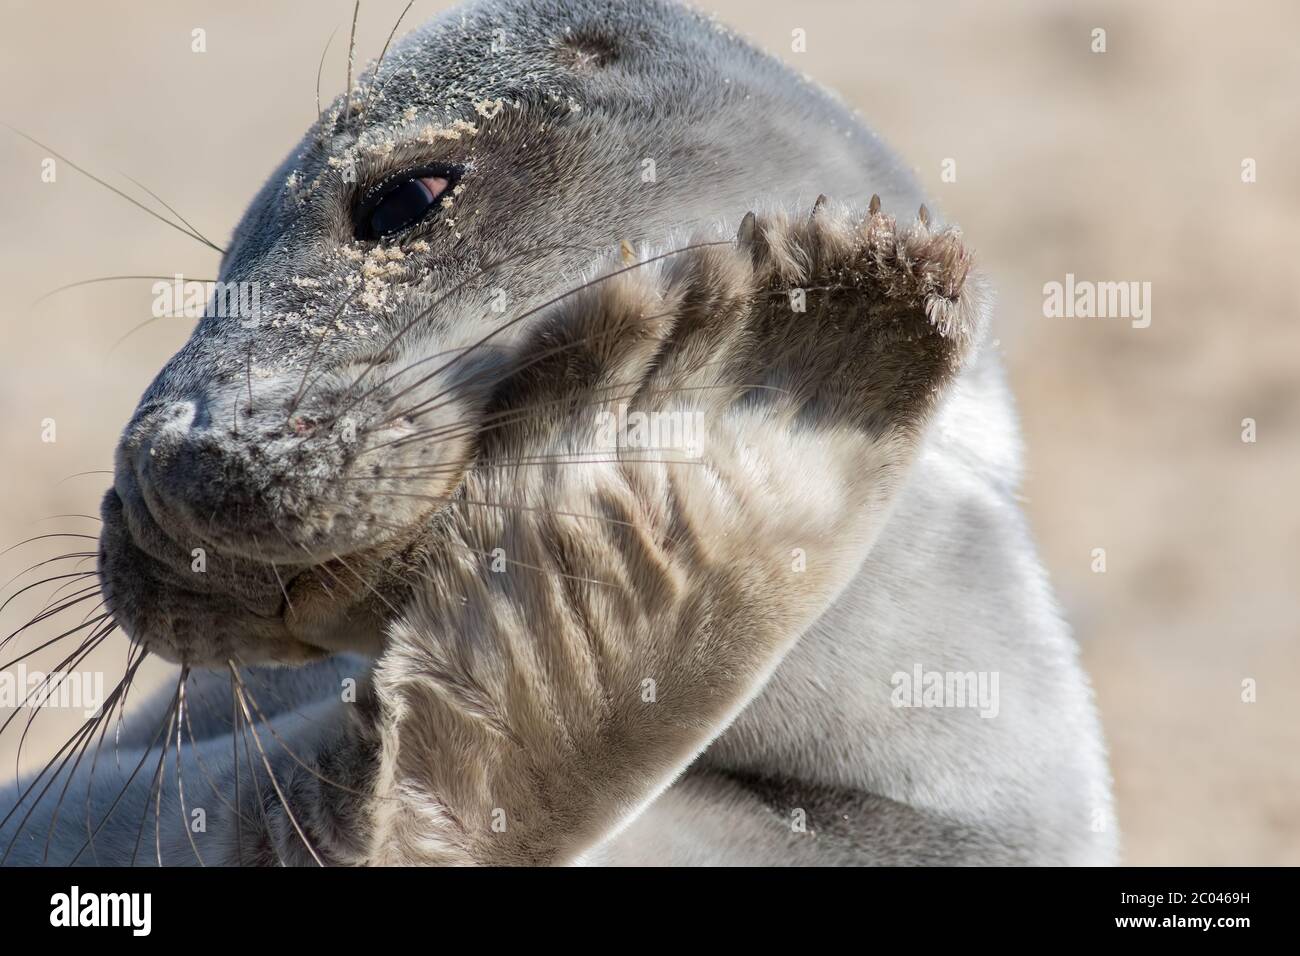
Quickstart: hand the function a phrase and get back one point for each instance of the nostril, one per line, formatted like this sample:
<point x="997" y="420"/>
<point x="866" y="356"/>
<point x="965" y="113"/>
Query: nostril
<point x="152" y="424"/>
<point x="180" y="416"/>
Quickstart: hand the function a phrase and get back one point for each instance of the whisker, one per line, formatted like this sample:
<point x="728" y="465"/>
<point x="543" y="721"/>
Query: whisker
<point x="39" y="564"/>
<point x="82" y="474"/>
<point x="239" y="692"/>
<point x="257" y="795"/>
<point x="428" y="310"/>
<point x="365" y="106"/>
<point x="168" y="206"/>
<point x="134" y="329"/>
<point x="234" y="747"/>
<point x="22" y="798"/>
<point x="352" y="49"/>
<point x="122" y="793"/>
<point x="135" y="657"/>
<point x="510" y="416"/>
<point x="49" y="643"/>
<point x="36" y="584"/>
<point x="522" y="564"/>
<point x="71" y="742"/>
<point x="45" y="615"/>
<point x="320" y="115"/>
<point x="100" y="721"/>
<point x="560" y="298"/>
<point x="296" y="759"/>
<point x="156" y="784"/>
<point x="366" y="583"/>
<point x="71" y="515"/>
<point x="311" y="359"/>
<point x="51" y="683"/>
<point x="54" y="534"/>
<point x="99" y="279"/>
<point x="113" y="189"/>
<point x="510" y="372"/>
<point x="180" y="779"/>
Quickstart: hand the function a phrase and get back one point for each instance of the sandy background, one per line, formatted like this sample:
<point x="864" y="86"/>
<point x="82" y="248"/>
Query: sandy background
<point x="1117" y="166"/>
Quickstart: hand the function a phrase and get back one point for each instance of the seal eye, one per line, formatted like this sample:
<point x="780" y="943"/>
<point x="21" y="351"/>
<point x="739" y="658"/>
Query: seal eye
<point x="401" y="201"/>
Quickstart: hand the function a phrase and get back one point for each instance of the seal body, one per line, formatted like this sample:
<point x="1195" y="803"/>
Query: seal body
<point x="825" y="639"/>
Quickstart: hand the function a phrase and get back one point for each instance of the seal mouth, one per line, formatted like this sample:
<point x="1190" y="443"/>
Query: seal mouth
<point x="268" y="539"/>
<point x="206" y="607"/>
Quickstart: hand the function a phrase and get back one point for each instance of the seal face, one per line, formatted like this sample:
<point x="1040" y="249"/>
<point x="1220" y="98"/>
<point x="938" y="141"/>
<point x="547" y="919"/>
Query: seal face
<point x="284" y="465"/>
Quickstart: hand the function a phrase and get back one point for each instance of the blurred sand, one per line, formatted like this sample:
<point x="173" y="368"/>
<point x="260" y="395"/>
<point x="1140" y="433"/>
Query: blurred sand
<point x="1115" y="166"/>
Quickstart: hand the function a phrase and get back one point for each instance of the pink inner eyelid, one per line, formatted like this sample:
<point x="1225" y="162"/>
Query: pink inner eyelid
<point x="436" y="185"/>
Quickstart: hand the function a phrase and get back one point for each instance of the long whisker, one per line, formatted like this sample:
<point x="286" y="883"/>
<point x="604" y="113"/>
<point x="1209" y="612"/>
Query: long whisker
<point x="136" y="328"/>
<point x="99" y="721"/>
<point x="99" y="279"/>
<point x="243" y="703"/>
<point x="71" y="514"/>
<point x="509" y="416"/>
<point x="156" y="784"/>
<point x="180" y="779"/>
<point x="512" y="370"/>
<point x="56" y="676"/>
<point x="352" y="49"/>
<point x="135" y="657"/>
<point x="311" y="359"/>
<point x="364" y="582"/>
<point x="234" y="747"/>
<point x="41" y="647"/>
<point x="557" y="299"/>
<point x="257" y="795"/>
<point x="266" y="724"/>
<point x="320" y="115"/>
<point x="53" y="534"/>
<point x="370" y="94"/>
<point x="125" y="788"/>
<point x="71" y="556"/>
<point x="36" y="584"/>
<point x="428" y="310"/>
<point x="168" y="206"/>
<point x="69" y="747"/>
<point x="113" y="189"/>
<point x="82" y="474"/>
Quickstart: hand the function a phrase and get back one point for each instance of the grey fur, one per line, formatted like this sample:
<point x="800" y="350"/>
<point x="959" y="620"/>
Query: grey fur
<point x="783" y="705"/>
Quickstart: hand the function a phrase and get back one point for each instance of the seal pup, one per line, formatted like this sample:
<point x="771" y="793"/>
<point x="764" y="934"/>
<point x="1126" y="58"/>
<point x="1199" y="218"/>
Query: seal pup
<point x="503" y="634"/>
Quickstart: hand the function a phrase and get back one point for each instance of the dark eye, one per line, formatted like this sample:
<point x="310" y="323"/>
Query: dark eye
<point x="400" y="201"/>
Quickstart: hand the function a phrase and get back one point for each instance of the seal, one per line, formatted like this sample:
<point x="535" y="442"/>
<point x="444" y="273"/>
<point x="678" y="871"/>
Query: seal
<point x="467" y="612"/>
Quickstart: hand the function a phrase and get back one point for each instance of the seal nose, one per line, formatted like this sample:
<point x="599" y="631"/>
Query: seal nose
<point x="250" y="480"/>
<point x="157" y="435"/>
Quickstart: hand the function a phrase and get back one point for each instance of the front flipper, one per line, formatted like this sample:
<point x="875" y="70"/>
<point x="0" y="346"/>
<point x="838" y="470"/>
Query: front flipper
<point x="605" y="599"/>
